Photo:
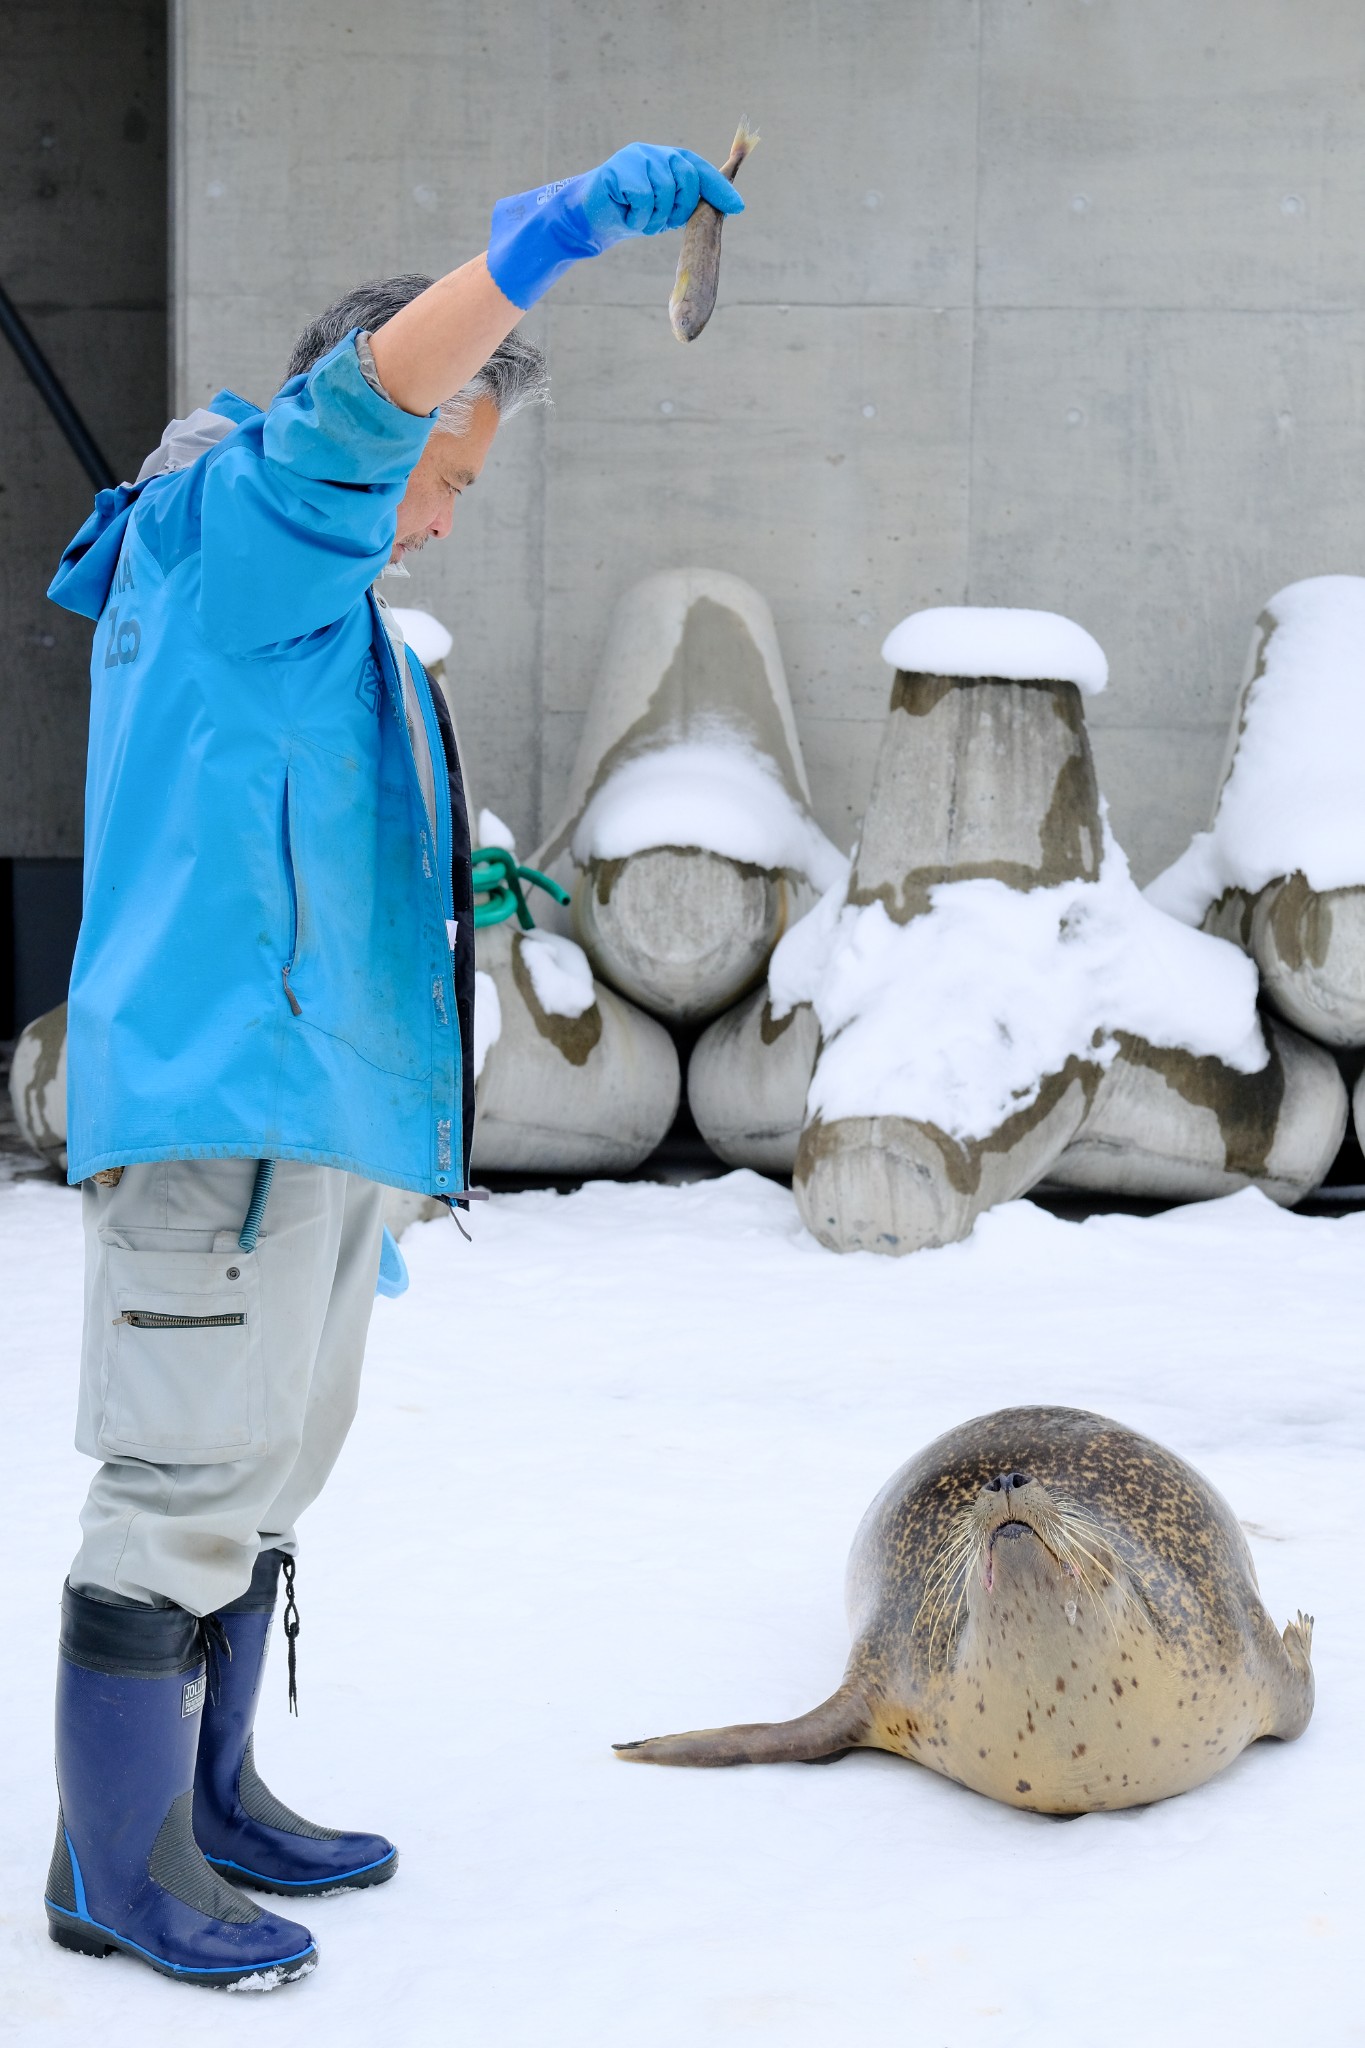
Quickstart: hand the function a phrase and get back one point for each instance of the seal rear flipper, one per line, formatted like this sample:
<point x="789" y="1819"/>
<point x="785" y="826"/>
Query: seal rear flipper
<point x="1292" y="1696"/>
<point x="1298" y="1642"/>
<point x="842" y="1723"/>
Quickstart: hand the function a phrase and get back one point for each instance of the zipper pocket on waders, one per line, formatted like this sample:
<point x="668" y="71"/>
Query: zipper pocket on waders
<point x="295" y="1005"/>
<point x="181" y="1379"/>
<point x="153" y="1319"/>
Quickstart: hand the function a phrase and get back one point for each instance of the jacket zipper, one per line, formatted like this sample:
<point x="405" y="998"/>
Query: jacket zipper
<point x="441" y="785"/>
<point x="153" y="1319"/>
<point x="442" y="828"/>
<point x="295" y="1005"/>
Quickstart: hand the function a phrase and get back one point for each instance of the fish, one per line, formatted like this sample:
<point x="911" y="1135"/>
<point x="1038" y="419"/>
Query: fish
<point x="694" y="287"/>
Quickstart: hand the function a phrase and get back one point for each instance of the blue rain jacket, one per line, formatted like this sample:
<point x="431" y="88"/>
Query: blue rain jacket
<point x="264" y="966"/>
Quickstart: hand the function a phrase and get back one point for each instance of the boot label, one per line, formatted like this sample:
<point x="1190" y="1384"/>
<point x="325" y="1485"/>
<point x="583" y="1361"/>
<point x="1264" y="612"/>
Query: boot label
<point x="192" y="1695"/>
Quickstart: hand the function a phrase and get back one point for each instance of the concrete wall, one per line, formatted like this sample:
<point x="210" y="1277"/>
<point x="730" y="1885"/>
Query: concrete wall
<point x="83" y="256"/>
<point x="1049" y="304"/>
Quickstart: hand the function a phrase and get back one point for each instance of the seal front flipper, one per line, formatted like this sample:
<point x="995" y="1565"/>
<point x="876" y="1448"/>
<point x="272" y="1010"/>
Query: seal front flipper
<point x="843" y="1722"/>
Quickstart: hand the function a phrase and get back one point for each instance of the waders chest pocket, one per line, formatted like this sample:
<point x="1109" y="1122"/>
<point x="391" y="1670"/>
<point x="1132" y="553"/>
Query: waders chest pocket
<point x="182" y="1379"/>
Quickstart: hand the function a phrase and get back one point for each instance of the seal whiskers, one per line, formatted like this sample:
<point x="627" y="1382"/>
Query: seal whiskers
<point x="840" y="1723"/>
<point x="946" y="1581"/>
<point x="1063" y="1526"/>
<point x="1082" y="1549"/>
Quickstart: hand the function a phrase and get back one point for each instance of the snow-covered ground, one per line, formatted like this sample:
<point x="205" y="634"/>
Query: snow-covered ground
<point x="606" y="1469"/>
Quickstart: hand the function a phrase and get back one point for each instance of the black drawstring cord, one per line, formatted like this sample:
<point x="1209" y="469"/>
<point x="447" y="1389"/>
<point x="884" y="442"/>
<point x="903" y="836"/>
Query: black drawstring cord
<point x="291" y="1631"/>
<point x="464" y="1195"/>
<point x="213" y="1641"/>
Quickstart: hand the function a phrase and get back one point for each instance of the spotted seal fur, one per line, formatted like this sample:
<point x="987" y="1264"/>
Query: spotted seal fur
<point x="1054" y="1611"/>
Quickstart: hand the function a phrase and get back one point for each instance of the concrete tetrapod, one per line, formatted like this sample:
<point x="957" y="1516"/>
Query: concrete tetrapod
<point x="747" y="1082"/>
<point x="1281" y="871"/>
<point x="889" y="1184"/>
<point x="687" y="837"/>
<point x="984" y="773"/>
<point x="1309" y="945"/>
<point x="1173" y="1125"/>
<point x="576" y="1080"/>
<point x="37" y="1085"/>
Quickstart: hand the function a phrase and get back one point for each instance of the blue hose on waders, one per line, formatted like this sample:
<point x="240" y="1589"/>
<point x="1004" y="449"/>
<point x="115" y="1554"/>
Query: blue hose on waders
<point x="260" y="1195"/>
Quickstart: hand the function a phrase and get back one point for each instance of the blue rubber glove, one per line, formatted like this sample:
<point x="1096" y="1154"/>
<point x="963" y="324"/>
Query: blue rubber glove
<point x="641" y="190"/>
<point x="393" y="1267"/>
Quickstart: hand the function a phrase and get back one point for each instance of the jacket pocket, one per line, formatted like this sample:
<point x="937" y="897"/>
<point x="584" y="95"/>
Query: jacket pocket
<point x="291" y="878"/>
<point x="183" y="1381"/>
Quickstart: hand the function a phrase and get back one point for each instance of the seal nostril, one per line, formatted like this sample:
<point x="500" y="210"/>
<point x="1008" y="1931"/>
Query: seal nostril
<point x="1007" y="1482"/>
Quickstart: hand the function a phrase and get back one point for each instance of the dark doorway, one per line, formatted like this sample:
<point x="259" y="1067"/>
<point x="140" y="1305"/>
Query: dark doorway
<point x="83" y="249"/>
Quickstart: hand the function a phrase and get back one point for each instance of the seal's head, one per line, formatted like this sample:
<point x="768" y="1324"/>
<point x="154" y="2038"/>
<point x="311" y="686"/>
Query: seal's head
<point x="1016" y="1537"/>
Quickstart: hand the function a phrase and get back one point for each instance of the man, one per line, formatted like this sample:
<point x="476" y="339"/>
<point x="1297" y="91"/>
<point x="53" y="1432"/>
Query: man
<point x="270" y="1020"/>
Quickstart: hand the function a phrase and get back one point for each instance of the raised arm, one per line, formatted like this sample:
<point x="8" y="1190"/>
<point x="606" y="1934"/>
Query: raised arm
<point x="431" y="349"/>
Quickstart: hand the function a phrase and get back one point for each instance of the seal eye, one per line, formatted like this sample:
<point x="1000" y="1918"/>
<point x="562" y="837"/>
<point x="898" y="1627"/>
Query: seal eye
<point x="1007" y="1482"/>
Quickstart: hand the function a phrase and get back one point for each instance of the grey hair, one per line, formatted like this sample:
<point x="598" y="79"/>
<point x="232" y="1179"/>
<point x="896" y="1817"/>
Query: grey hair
<point x="514" y="376"/>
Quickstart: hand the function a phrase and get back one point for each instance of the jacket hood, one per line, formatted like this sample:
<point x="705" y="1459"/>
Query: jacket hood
<point x="86" y="571"/>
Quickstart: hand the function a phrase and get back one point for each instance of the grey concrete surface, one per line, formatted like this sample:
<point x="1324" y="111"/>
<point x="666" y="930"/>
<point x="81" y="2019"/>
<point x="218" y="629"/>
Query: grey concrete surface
<point x="1186" y="1128"/>
<point x="83" y="256"/>
<point x="594" y="1093"/>
<point x="747" y="1081"/>
<point x="1051" y="305"/>
<point x="1309" y="946"/>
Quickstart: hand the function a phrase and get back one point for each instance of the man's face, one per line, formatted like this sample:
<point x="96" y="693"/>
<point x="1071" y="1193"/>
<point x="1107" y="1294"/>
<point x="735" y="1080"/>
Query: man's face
<point x="449" y="464"/>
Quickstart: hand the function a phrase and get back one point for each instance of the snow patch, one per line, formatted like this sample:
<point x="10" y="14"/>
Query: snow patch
<point x="492" y="832"/>
<point x="1291" y="802"/>
<point x="560" y="974"/>
<point x="487" y="1019"/>
<point x="957" y="1017"/>
<point x="993" y="640"/>
<point x="427" y="637"/>
<point x="716" y="794"/>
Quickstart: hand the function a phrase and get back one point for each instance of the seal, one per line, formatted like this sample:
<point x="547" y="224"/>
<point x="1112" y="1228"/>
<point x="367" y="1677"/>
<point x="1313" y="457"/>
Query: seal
<point x="1054" y="1611"/>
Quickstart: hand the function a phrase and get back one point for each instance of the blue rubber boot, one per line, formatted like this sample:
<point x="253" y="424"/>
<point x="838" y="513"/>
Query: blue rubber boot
<point x="126" y="1873"/>
<point x="242" y="1828"/>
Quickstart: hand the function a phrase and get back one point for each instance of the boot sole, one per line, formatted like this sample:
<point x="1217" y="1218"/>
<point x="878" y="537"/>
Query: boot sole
<point x="88" y="1938"/>
<point x="321" y="1888"/>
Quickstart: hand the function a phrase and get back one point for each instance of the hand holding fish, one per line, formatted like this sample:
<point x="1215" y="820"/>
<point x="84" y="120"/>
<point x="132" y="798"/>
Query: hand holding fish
<point x="643" y="189"/>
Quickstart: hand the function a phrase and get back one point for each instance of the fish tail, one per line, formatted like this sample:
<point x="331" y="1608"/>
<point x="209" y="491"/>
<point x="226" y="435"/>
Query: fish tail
<point x="746" y="139"/>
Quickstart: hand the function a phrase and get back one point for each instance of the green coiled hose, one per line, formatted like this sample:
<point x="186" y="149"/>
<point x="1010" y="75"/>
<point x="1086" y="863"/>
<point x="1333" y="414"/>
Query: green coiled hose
<point x="498" y="878"/>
